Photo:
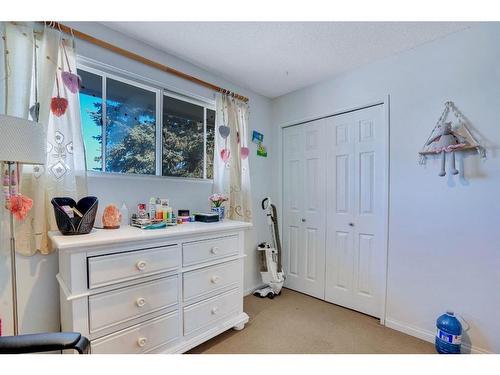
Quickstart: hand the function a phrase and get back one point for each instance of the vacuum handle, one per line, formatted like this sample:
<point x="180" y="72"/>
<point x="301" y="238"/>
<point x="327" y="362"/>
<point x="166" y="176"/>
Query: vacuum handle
<point x="265" y="203"/>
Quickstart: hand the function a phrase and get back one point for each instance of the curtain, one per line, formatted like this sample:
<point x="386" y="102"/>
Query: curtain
<point x="231" y="167"/>
<point x="34" y="64"/>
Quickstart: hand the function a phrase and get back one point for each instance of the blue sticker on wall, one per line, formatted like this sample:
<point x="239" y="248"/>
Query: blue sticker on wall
<point x="257" y="137"/>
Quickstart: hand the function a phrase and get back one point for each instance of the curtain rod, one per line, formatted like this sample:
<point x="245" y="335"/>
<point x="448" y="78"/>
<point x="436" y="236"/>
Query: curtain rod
<point x="141" y="59"/>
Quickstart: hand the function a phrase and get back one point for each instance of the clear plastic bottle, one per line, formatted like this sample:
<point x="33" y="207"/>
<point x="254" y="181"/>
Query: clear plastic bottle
<point x="152" y="208"/>
<point x="125" y="215"/>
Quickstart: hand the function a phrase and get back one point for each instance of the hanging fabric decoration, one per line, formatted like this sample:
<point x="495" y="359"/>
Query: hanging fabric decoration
<point x="58" y="105"/>
<point x="17" y="203"/>
<point x="448" y="138"/>
<point x="35" y="108"/>
<point x="225" y="153"/>
<point x="224" y="132"/>
<point x="71" y="81"/>
<point x="244" y="150"/>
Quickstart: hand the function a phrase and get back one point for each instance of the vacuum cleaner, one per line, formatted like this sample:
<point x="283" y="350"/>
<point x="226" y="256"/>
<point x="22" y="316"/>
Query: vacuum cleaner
<point x="271" y="269"/>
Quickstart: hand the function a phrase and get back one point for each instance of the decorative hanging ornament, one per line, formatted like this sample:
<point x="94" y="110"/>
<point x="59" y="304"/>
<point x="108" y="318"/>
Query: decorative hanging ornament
<point x="71" y="81"/>
<point x="17" y="203"/>
<point x="58" y="105"/>
<point x="35" y="108"/>
<point x="244" y="152"/>
<point x="225" y="154"/>
<point x="448" y="139"/>
<point x="224" y="131"/>
<point x="35" y="111"/>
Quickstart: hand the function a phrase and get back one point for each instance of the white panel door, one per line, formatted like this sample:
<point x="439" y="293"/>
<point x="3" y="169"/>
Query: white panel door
<point x="304" y="212"/>
<point x="356" y="206"/>
<point x="293" y="193"/>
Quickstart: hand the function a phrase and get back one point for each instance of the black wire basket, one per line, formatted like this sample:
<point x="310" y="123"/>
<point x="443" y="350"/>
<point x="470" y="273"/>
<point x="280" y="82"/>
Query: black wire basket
<point x="75" y="225"/>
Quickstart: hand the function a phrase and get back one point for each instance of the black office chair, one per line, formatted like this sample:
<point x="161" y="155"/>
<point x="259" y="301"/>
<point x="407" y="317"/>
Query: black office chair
<point x="43" y="342"/>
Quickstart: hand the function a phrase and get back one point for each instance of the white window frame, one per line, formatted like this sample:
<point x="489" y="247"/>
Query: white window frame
<point x="106" y="71"/>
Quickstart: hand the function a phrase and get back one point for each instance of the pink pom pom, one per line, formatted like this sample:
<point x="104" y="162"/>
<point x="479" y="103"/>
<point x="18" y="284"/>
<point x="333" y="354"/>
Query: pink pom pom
<point x="20" y="206"/>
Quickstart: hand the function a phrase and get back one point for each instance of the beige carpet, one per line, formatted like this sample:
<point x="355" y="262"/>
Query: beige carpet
<point x="296" y="323"/>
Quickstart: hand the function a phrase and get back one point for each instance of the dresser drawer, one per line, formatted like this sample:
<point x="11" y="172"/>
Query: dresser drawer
<point x="203" y="314"/>
<point x="209" y="279"/>
<point x="206" y="250"/>
<point x="117" y="306"/>
<point x="140" y="338"/>
<point x="109" y="269"/>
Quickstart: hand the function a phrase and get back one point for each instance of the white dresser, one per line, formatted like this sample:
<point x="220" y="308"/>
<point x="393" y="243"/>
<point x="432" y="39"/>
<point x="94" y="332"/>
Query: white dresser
<point x="152" y="291"/>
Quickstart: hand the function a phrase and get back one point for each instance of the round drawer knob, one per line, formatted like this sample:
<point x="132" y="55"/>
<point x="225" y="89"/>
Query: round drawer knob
<point x="214" y="310"/>
<point x="140" y="302"/>
<point x="215" y="279"/>
<point x="141" y="341"/>
<point x="214" y="250"/>
<point x="141" y="265"/>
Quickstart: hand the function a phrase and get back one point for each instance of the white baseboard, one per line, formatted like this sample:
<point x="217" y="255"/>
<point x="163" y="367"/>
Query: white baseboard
<point x="428" y="335"/>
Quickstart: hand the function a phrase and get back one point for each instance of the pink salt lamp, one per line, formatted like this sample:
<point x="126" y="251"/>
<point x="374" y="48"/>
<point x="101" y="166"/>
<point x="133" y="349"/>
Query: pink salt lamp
<point x="111" y="217"/>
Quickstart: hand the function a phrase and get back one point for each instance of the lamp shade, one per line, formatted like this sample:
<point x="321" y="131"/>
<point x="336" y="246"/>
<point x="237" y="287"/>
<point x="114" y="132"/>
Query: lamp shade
<point x="22" y="141"/>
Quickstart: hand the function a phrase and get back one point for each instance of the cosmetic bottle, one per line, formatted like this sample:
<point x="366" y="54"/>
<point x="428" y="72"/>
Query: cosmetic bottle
<point x="152" y="208"/>
<point x="124" y="212"/>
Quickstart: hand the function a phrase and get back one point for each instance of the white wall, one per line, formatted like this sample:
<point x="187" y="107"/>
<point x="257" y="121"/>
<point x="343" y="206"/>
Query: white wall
<point x="38" y="293"/>
<point x="444" y="243"/>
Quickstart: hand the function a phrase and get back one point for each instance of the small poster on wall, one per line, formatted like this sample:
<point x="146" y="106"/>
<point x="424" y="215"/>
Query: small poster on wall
<point x="257" y="137"/>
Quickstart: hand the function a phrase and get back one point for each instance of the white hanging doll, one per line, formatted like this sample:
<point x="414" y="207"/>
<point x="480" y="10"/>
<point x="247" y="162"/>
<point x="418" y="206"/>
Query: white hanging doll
<point x="446" y="140"/>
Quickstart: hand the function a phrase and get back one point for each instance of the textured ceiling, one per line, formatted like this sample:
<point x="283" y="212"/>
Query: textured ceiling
<point x="275" y="58"/>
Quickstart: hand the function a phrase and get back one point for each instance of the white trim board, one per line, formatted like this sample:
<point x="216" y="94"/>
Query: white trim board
<point x="427" y="335"/>
<point x="87" y="62"/>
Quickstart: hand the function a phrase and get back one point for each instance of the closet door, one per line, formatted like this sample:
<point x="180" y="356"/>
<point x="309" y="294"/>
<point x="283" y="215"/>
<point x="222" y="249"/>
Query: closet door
<point x="356" y="205"/>
<point x="304" y="207"/>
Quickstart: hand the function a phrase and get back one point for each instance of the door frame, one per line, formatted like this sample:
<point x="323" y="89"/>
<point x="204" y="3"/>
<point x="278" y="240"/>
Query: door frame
<point x="385" y="102"/>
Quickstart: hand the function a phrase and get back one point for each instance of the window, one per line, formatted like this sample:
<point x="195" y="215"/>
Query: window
<point x="183" y="138"/>
<point x="210" y="142"/>
<point x="142" y="134"/>
<point x="91" y="116"/>
<point x="131" y="129"/>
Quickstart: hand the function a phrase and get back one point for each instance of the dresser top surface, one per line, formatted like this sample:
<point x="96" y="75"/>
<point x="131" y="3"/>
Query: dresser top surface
<point x="99" y="237"/>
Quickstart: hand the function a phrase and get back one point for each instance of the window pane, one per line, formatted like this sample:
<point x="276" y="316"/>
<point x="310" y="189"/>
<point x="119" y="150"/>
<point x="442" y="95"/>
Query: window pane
<point x="91" y="117"/>
<point x="210" y="142"/>
<point x="130" y="130"/>
<point x="182" y="138"/>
